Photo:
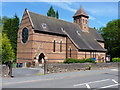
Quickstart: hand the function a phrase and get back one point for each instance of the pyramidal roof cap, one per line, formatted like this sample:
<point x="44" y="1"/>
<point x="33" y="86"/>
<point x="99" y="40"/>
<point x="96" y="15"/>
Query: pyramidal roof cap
<point x="81" y="11"/>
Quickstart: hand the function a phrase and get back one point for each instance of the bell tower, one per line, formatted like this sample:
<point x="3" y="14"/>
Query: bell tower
<point x="81" y="18"/>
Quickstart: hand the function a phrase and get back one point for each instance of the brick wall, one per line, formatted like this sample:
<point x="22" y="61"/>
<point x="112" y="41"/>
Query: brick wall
<point x="24" y="49"/>
<point x="73" y="49"/>
<point x="98" y="55"/>
<point x="43" y="43"/>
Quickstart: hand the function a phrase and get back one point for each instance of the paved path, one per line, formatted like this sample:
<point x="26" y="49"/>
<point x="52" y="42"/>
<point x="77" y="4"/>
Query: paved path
<point x="107" y="78"/>
<point x="26" y="72"/>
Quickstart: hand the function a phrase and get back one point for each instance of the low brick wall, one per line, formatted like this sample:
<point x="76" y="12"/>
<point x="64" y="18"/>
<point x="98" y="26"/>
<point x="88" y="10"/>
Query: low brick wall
<point x="57" y="68"/>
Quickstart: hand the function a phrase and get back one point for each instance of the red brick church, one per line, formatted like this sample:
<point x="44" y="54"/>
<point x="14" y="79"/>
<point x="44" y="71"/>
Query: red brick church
<point x="41" y="37"/>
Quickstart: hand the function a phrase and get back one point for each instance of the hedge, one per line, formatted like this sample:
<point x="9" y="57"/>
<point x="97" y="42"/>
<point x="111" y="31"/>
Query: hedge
<point x="116" y="59"/>
<point x="70" y="60"/>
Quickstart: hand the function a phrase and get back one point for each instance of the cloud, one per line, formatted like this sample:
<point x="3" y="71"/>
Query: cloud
<point x="64" y="5"/>
<point x="96" y="20"/>
<point x="91" y="17"/>
<point x="103" y="10"/>
<point x="70" y="3"/>
<point x="67" y="6"/>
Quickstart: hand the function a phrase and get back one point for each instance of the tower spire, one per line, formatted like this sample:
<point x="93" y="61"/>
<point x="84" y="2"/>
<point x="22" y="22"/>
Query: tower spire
<point x="81" y="18"/>
<point x="80" y="12"/>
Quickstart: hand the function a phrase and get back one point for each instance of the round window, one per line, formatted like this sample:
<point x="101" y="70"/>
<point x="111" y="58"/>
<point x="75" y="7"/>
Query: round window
<point x="24" y="35"/>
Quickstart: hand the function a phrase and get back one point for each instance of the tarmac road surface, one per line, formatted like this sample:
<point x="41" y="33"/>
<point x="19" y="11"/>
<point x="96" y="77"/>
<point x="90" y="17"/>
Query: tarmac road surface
<point x="97" y="79"/>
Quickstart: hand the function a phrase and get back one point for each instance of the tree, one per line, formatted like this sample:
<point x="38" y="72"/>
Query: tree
<point x="0" y="21"/>
<point x="0" y="48"/>
<point x="4" y="18"/>
<point x="111" y="35"/>
<point x="1" y="24"/>
<point x="10" y="28"/>
<point x="57" y="14"/>
<point x="51" y="12"/>
<point x="7" y="51"/>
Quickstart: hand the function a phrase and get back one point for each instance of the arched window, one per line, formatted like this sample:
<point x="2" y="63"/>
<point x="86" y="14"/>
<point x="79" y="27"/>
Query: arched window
<point x="60" y="46"/>
<point x="79" y="20"/>
<point x="83" y="20"/>
<point x="54" y="46"/>
<point x="24" y="35"/>
<point x="86" y="21"/>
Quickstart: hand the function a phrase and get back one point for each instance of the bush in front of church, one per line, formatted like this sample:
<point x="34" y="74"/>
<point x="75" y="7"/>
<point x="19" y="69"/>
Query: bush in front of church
<point x="71" y="60"/>
<point x="116" y="59"/>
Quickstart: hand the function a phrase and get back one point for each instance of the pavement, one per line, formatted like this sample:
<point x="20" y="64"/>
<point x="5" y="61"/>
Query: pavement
<point x="107" y="78"/>
<point x="27" y="72"/>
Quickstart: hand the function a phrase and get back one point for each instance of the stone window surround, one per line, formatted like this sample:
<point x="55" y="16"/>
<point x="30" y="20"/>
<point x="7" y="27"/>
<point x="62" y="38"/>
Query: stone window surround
<point x="21" y="36"/>
<point x="55" y="45"/>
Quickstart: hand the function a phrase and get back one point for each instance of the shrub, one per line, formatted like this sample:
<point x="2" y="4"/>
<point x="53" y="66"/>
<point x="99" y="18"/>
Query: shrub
<point x="70" y="60"/>
<point x="116" y="59"/>
<point x="28" y="64"/>
<point x="89" y="60"/>
<point x="89" y="67"/>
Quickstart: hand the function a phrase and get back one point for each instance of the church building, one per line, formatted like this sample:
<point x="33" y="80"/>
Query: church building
<point x="46" y="38"/>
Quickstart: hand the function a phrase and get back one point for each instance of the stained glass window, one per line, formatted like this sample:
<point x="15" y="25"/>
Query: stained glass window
<point x="24" y="35"/>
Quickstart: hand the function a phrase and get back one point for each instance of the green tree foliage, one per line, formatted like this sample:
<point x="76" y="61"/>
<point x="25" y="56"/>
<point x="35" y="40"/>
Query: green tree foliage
<point x="51" y="12"/>
<point x="7" y="51"/>
<point x="4" y="18"/>
<point x="10" y="28"/>
<point x="111" y="35"/>
<point x="0" y="48"/>
<point x="0" y="21"/>
<point x="57" y="14"/>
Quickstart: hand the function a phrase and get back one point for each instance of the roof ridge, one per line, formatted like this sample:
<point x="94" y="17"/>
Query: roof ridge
<point x="53" y="18"/>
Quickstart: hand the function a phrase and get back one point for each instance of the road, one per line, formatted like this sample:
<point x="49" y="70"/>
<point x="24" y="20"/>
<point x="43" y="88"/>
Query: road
<point x="107" y="78"/>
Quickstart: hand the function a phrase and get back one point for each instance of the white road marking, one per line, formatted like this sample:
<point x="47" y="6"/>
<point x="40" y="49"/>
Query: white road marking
<point x="88" y="86"/>
<point x="110" y="86"/>
<point x="114" y="69"/>
<point x="91" y="82"/>
<point x="114" y="81"/>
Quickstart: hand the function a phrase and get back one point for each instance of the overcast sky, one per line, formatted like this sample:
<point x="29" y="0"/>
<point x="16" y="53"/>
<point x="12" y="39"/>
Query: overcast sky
<point x="100" y="13"/>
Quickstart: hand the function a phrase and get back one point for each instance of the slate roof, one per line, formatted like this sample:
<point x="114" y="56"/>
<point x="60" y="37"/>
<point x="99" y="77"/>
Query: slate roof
<point x="82" y="40"/>
<point x="80" y="12"/>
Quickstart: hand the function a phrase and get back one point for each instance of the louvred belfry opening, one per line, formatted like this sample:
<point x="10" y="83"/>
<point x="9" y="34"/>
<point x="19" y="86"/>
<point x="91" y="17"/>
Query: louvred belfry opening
<point x="81" y="18"/>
